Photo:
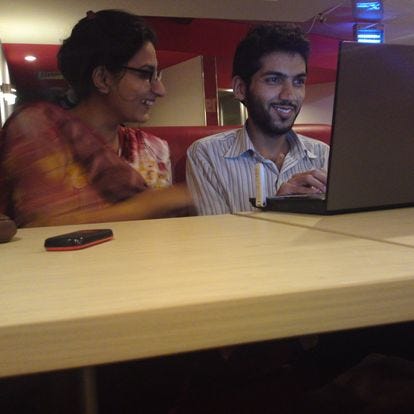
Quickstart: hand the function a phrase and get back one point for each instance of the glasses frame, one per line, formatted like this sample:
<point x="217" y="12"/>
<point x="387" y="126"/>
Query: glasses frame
<point x="151" y="75"/>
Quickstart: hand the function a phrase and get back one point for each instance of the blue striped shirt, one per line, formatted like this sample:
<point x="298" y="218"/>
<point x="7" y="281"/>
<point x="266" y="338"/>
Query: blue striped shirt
<point x="221" y="169"/>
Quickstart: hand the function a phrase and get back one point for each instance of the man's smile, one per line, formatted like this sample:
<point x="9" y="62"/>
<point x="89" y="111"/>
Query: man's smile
<point x="284" y="111"/>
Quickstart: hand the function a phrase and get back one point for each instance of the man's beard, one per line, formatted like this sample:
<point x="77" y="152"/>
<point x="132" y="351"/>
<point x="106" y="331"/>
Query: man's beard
<point x="262" y="119"/>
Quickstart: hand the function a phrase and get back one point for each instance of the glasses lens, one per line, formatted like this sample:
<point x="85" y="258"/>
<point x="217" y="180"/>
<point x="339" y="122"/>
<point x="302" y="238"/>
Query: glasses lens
<point x="148" y="75"/>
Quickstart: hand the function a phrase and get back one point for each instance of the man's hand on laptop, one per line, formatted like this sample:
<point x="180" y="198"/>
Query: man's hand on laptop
<point x="309" y="182"/>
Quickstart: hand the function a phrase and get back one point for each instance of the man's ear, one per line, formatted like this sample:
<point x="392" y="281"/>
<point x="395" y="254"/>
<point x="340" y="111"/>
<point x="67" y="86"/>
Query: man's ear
<point x="239" y="88"/>
<point x="102" y="79"/>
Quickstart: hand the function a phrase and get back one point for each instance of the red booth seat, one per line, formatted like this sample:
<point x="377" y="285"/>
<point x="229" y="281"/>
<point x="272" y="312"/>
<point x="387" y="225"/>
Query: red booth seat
<point x="179" y="138"/>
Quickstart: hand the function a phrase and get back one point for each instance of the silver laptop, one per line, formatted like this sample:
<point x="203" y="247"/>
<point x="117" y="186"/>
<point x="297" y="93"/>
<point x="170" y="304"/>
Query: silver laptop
<point x="371" y="163"/>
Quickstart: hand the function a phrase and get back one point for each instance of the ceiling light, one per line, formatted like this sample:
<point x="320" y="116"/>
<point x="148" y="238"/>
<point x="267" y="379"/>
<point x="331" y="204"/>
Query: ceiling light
<point x="372" y="33"/>
<point x="30" y="58"/>
<point x="368" y="10"/>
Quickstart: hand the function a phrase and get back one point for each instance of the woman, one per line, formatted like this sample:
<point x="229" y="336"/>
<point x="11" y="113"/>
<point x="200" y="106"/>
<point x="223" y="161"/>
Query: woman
<point x="80" y="165"/>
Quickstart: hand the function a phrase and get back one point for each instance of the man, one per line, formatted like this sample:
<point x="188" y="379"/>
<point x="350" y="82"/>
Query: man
<point x="269" y="74"/>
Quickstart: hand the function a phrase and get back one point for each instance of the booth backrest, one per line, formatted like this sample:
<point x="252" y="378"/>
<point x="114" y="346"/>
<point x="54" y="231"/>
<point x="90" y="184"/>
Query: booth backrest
<point x="179" y="138"/>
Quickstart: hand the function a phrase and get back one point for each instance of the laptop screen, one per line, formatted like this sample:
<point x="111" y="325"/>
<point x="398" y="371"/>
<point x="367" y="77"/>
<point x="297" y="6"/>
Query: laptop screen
<point x="372" y="147"/>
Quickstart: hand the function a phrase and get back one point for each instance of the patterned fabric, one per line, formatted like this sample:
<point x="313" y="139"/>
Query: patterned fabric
<point x="52" y="164"/>
<point x="147" y="154"/>
<point x="221" y="169"/>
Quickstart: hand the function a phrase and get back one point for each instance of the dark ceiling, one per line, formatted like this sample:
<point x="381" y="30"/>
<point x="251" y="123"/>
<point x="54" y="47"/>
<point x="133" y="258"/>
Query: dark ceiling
<point x="329" y="21"/>
<point x="179" y="40"/>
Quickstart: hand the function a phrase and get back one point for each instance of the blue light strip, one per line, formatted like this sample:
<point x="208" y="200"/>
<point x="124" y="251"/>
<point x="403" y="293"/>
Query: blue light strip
<point x="369" y="5"/>
<point x="370" y="36"/>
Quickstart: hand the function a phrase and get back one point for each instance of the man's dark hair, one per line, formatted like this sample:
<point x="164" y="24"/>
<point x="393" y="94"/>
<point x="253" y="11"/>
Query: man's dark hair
<point x="108" y="38"/>
<point x="264" y="39"/>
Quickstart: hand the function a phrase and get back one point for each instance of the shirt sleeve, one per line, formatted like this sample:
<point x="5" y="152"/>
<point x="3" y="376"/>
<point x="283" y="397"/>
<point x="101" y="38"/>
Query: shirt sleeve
<point x="51" y="180"/>
<point x="35" y="167"/>
<point x="204" y="184"/>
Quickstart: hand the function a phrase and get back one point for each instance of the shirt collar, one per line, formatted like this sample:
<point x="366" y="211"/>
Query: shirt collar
<point x="243" y="145"/>
<point x="298" y="148"/>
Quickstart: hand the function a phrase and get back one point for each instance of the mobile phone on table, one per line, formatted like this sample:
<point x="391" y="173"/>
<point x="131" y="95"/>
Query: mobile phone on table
<point x="78" y="239"/>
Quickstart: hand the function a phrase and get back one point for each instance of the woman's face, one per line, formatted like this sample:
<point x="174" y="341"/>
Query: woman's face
<point x="133" y="94"/>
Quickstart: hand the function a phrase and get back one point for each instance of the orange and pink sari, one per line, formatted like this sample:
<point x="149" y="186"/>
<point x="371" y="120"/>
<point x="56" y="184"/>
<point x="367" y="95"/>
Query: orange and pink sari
<point x="52" y="164"/>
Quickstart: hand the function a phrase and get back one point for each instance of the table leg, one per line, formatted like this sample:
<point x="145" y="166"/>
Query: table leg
<point x="88" y="391"/>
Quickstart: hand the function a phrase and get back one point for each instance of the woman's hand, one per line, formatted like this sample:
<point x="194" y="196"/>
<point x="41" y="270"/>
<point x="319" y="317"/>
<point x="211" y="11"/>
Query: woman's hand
<point x="158" y="203"/>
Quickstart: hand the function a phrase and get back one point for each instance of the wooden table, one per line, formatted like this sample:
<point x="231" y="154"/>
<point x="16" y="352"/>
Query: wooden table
<point x="175" y="285"/>
<point x="394" y="226"/>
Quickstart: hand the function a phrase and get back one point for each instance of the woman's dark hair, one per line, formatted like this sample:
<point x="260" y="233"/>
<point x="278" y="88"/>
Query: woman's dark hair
<point x="106" y="38"/>
<point x="264" y="39"/>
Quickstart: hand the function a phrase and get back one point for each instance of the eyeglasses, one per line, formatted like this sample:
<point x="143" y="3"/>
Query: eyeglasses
<point x="150" y="75"/>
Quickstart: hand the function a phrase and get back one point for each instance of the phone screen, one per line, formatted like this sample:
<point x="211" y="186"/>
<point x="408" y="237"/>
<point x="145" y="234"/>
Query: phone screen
<point x="78" y="239"/>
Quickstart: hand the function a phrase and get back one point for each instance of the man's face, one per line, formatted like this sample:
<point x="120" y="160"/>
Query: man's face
<point x="276" y="92"/>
